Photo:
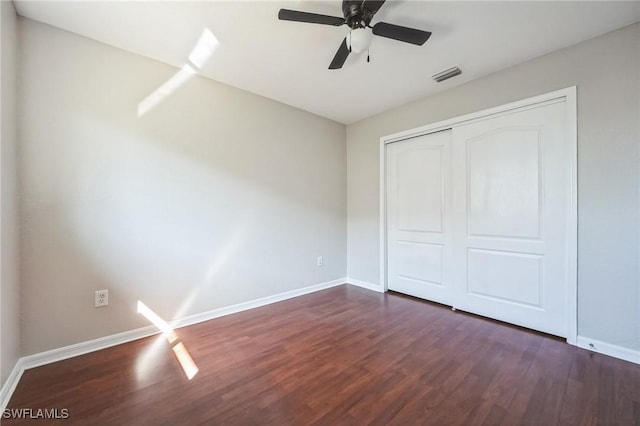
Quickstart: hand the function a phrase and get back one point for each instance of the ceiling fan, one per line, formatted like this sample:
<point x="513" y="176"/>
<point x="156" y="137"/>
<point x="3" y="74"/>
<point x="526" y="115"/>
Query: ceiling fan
<point x="357" y="15"/>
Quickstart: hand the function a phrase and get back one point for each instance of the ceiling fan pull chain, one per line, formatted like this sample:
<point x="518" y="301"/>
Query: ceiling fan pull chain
<point x="368" y="56"/>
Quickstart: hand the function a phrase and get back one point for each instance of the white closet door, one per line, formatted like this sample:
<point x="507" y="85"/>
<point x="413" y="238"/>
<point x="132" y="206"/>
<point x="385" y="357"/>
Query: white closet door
<point x="512" y="198"/>
<point x="478" y="217"/>
<point x="419" y="230"/>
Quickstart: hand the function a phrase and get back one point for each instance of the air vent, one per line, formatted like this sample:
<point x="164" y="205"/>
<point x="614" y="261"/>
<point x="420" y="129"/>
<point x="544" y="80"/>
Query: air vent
<point x="446" y="74"/>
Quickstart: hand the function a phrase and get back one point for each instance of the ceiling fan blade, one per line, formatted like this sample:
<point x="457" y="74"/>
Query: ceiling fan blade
<point x="341" y="56"/>
<point x="312" y="18"/>
<point x="396" y="32"/>
<point x="372" y="6"/>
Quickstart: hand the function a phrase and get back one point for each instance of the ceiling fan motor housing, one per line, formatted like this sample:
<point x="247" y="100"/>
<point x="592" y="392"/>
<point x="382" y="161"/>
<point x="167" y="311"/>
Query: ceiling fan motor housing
<point x="353" y="14"/>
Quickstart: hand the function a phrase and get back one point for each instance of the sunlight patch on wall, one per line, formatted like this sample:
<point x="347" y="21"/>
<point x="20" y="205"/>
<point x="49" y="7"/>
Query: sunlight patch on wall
<point x="231" y="246"/>
<point x="199" y="55"/>
<point x="167" y="88"/>
<point x="161" y="324"/>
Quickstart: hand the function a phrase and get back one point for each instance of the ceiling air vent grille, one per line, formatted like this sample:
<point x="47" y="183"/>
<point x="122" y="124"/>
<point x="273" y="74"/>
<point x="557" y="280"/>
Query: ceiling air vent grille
<point x="446" y="74"/>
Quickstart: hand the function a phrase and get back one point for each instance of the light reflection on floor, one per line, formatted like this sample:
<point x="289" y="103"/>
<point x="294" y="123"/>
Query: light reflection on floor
<point x="179" y="349"/>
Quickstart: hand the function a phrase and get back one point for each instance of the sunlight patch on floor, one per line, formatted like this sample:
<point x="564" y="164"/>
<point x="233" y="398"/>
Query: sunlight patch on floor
<point x="179" y="349"/>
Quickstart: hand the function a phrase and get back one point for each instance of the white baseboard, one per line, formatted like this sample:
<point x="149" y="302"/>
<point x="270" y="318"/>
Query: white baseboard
<point x="11" y="383"/>
<point x="609" y="349"/>
<point x="365" y="284"/>
<point x="228" y="310"/>
<point x="65" y="352"/>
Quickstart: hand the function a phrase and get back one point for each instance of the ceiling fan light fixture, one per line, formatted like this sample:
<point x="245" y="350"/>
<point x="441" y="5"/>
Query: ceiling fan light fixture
<point x="359" y="40"/>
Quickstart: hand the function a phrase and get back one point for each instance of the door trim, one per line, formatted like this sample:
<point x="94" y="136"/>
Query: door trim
<point x="569" y="97"/>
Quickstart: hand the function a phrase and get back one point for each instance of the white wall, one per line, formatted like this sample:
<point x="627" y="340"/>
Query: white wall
<point x="9" y="282"/>
<point x="214" y="197"/>
<point x="606" y="71"/>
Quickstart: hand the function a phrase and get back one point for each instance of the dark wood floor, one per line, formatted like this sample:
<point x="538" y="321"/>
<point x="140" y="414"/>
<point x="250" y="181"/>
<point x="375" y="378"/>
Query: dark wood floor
<point x="341" y="356"/>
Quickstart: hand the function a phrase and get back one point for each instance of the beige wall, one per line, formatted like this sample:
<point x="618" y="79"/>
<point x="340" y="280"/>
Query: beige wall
<point x="9" y="282"/>
<point x="216" y="196"/>
<point x="198" y="204"/>
<point x="606" y="72"/>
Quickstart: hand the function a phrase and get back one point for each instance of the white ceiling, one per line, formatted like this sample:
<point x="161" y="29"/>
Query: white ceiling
<point x="287" y="61"/>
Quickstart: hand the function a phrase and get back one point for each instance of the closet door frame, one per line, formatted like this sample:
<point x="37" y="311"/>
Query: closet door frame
<point x="568" y="96"/>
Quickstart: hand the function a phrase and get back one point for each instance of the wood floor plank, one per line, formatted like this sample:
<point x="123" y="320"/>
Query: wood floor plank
<point x="338" y="357"/>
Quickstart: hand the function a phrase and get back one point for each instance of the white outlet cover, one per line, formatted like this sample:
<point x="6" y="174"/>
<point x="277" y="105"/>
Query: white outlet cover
<point x="101" y="298"/>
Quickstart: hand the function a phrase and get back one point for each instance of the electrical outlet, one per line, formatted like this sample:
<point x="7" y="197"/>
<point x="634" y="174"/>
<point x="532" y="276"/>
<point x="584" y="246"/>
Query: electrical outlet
<point x="320" y="261"/>
<point x="102" y="298"/>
